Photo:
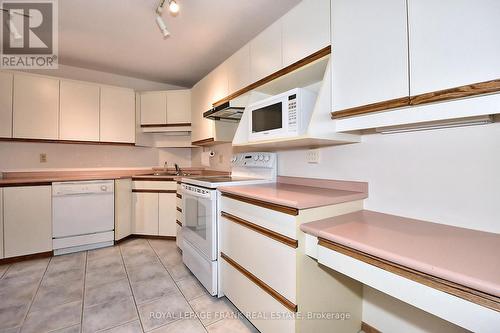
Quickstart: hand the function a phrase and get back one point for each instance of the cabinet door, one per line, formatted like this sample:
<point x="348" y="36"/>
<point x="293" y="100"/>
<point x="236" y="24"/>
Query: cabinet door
<point x="453" y="43"/>
<point x="179" y="106"/>
<point x="79" y="113"/>
<point x="123" y="208"/>
<point x="117" y="116"/>
<point x="145" y="213"/>
<point x="27" y="220"/>
<point x="370" y="52"/>
<point x="238" y="69"/>
<point x="1" y="223"/>
<point x="266" y="52"/>
<point x="201" y="128"/>
<point x="153" y="108"/>
<point x="306" y="29"/>
<point x="6" y="105"/>
<point x="36" y="107"/>
<point x="167" y="214"/>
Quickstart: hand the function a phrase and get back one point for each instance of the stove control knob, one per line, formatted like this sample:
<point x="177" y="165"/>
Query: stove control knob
<point x="266" y="158"/>
<point x="261" y="157"/>
<point x="256" y="157"/>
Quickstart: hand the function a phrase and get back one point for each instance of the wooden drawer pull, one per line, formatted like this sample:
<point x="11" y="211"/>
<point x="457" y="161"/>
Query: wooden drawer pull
<point x="179" y="210"/>
<point x="178" y="222"/>
<point x="277" y="296"/>
<point x="179" y="196"/>
<point x="261" y="230"/>
<point x="264" y="204"/>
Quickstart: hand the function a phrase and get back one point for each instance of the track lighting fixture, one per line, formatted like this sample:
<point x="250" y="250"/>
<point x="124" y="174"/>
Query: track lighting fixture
<point x="162" y="26"/>
<point x="173" y="6"/>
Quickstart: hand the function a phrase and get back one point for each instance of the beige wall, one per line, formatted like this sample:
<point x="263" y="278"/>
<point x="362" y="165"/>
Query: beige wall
<point x="26" y="155"/>
<point x="222" y="159"/>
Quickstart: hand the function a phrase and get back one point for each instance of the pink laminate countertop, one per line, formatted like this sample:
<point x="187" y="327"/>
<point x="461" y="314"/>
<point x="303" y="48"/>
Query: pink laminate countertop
<point x="464" y="256"/>
<point x="292" y="192"/>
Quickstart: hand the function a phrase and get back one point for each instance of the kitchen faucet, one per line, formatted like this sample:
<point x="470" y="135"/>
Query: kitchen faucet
<point x="177" y="169"/>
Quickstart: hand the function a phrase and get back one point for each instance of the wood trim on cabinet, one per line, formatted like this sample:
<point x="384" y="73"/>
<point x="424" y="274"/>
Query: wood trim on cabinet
<point x="178" y="195"/>
<point x="288" y="69"/>
<point x="452" y="288"/>
<point x="40" y="255"/>
<point x="166" y="125"/>
<point x="70" y="142"/>
<point x="481" y="88"/>
<point x="293" y="243"/>
<point x="21" y="183"/>
<point x="179" y="210"/>
<point x="203" y="142"/>
<point x="370" y="108"/>
<point x="273" y="293"/>
<point x="474" y="89"/>
<point x="264" y="204"/>
<point x="178" y="222"/>
<point x="135" y="190"/>
<point x="369" y="329"/>
<point x="153" y="179"/>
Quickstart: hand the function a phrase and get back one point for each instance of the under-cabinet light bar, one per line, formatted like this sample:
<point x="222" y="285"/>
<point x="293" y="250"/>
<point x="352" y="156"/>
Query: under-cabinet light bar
<point x="470" y="121"/>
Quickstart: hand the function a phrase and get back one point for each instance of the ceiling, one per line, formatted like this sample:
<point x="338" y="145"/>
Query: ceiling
<point x="121" y="36"/>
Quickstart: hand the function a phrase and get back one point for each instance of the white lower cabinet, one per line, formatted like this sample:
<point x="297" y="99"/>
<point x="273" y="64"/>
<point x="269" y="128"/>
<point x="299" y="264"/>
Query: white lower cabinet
<point x="265" y="271"/>
<point x="123" y="208"/>
<point x="179" y="217"/>
<point x="145" y="213"/>
<point x="1" y="223"/>
<point x="27" y="214"/>
<point x="154" y="206"/>
<point x="167" y="214"/>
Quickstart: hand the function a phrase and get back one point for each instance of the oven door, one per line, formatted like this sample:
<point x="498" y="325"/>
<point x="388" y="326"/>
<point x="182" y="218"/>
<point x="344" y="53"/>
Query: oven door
<point x="200" y="218"/>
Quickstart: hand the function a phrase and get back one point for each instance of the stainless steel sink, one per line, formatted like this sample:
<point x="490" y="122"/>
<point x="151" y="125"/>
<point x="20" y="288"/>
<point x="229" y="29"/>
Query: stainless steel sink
<point x="166" y="173"/>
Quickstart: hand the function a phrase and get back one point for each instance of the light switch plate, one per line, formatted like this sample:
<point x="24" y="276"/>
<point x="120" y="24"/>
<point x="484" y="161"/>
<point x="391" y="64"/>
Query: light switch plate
<point x="312" y="156"/>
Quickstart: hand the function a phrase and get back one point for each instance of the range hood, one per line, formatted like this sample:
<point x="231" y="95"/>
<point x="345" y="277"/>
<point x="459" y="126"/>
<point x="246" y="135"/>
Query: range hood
<point x="229" y="111"/>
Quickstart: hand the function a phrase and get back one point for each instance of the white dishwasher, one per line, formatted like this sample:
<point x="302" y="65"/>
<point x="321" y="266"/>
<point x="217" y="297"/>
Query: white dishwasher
<point x="82" y="215"/>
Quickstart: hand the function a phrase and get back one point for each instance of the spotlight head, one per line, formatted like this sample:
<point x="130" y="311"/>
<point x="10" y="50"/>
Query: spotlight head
<point x="173" y="6"/>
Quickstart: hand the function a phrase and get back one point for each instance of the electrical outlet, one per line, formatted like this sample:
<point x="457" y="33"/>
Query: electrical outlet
<point x="312" y="156"/>
<point x="43" y="158"/>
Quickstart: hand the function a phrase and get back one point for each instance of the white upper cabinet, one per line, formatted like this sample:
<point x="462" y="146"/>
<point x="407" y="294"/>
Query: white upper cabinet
<point x="6" y="105"/>
<point x="79" y="111"/>
<point x="178" y="106"/>
<point x="153" y="108"/>
<point x="370" y="52"/>
<point x="36" y="107"/>
<point x="238" y="69"/>
<point x="306" y="29"/>
<point x="266" y="52"/>
<point x="453" y="43"/>
<point x="117" y="116"/>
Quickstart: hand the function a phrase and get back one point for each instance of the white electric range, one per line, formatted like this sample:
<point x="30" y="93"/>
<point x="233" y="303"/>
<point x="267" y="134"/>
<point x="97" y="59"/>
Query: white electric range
<point x="201" y="212"/>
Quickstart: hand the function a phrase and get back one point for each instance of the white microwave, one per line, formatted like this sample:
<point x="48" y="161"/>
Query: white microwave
<point x="281" y="116"/>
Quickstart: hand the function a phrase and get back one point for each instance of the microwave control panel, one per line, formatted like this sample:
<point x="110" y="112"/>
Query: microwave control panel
<point x="292" y="112"/>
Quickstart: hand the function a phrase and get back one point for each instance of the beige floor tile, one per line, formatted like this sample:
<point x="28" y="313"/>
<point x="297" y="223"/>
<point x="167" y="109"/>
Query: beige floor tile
<point x="13" y="316"/>
<point x="163" y="311"/>
<point x="53" y="318"/>
<point x="191" y="288"/>
<point x="17" y="296"/>
<point x="109" y="274"/>
<point x="56" y="295"/>
<point x="147" y="272"/>
<point x="29" y="267"/>
<point x="108" y="292"/>
<point x="104" y="252"/>
<point x="10" y="330"/>
<point x="211" y="309"/>
<point x="104" y="263"/>
<point x="108" y="315"/>
<point x="232" y="326"/>
<point x="182" y="326"/>
<point x="154" y="288"/>
<point x="71" y="329"/>
<point x="67" y="262"/>
<point x="179" y="271"/>
<point x="3" y="269"/>
<point x="60" y="278"/>
<point x="132" y="327"/>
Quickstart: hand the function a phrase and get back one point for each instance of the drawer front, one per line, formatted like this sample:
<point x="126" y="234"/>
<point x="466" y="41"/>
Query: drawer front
<point x="268" y="259"/>
<point x="154" y="185"/>
<point x="281" y="223"/>
<point x="178" y="236"/>
<point x="250" y="298"/>
<point x="179" y="202"/>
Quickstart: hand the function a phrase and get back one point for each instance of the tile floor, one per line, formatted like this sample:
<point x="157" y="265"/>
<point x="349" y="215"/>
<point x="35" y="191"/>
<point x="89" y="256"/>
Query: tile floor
<point x="139" y="286"/>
